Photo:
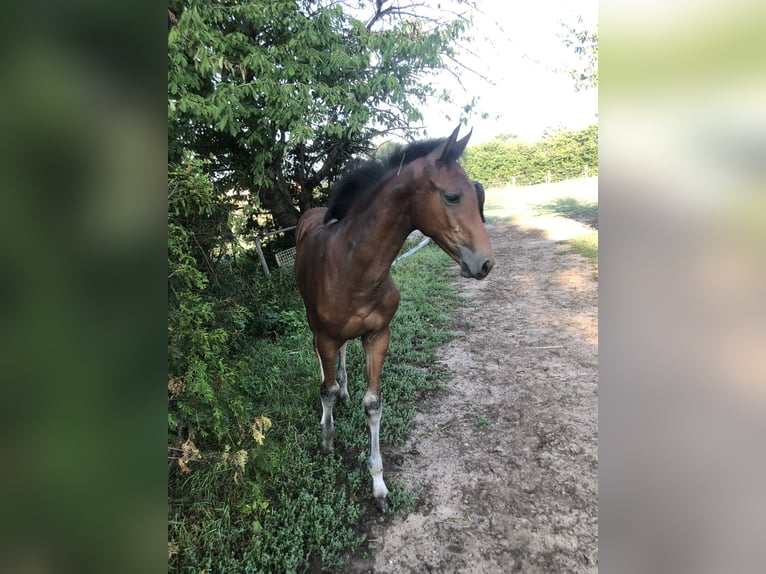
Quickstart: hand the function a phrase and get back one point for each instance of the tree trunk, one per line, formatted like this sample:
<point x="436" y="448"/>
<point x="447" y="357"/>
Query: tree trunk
<point x="276" y="197"/>
<point x="307" y="195"/>
<point x="280" y="206"/>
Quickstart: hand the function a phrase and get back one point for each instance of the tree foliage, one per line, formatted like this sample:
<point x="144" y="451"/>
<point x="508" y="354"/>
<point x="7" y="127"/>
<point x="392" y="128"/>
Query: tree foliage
<point x="278" y="94"/>
<point x="584" y="42"/>
<point x="505" y="159"/>
<point x="203" y="324"/>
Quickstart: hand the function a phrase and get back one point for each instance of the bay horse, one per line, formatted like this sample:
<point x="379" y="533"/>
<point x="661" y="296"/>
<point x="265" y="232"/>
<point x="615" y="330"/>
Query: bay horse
<point x="344" y="253"/>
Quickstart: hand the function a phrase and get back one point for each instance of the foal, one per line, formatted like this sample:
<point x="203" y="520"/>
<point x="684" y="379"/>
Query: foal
<point x="344" y="254"/>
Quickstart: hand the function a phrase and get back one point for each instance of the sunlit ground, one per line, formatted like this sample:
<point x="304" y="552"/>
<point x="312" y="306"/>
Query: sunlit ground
<point x="531" y="207"/>
<point x="566" y="211"/>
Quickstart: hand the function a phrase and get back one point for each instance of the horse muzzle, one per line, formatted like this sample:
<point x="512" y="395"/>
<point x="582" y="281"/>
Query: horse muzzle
<point x="475" y="265"/>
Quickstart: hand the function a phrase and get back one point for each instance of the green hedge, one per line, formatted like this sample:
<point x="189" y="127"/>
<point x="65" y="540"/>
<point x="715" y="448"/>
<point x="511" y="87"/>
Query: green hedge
<point x="564" y="153"/>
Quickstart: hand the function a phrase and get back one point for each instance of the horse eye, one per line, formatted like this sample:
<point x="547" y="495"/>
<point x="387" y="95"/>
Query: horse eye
<point x="452" y="198"/>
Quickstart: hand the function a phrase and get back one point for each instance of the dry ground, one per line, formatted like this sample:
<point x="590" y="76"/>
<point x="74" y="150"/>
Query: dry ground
<point x="505" y="463"/>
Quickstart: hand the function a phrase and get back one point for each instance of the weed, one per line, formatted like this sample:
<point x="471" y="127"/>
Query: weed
<point x="483" y="421"/>
<point x="400" y="499"/>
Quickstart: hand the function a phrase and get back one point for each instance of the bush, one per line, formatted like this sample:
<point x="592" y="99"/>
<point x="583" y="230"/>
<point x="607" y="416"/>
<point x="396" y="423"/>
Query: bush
<point x="564" y="153"/>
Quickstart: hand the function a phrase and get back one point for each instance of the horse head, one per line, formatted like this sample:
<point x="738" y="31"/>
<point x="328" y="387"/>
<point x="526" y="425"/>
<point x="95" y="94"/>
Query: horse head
<point x="446" y="208"/>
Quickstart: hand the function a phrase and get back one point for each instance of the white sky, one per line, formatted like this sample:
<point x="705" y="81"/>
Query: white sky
<point x="518" y="46"/>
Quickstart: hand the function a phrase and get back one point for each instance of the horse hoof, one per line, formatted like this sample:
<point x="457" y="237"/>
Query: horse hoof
<point x="382" y="505"/>
<point x="326" y="449"/>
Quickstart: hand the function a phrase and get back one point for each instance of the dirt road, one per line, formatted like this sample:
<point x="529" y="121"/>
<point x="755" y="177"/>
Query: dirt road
<point x="505" y="463"/>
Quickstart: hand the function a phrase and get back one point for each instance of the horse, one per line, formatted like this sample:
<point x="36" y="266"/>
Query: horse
<point x="343" y="258"/>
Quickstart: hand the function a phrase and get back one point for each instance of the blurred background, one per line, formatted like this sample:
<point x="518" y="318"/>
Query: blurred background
<point x="83" y="142"/>
<point x="682" y="168"/>
<point x="683" y="273"/>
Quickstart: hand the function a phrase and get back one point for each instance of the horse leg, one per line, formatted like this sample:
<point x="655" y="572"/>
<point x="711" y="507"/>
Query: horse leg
<point x="326" y="350"/>
<point x="375" y="348"/>
<point x="341" y="375"/>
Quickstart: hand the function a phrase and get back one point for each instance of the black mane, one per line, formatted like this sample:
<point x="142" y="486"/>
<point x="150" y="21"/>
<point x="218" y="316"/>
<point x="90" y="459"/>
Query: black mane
<point x="361" y="180"/>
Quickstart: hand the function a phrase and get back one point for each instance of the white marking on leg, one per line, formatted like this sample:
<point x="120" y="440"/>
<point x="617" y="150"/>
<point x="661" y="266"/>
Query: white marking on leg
<point x="342" y="376"/>
<point x="328" y="428"/>
<point x="372" y="409"/>
<point x="328" y="401"/>
<point x="321" y="370"/>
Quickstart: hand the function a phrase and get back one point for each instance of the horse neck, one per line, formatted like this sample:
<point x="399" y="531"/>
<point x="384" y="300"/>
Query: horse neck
<point x="378" y="231"/>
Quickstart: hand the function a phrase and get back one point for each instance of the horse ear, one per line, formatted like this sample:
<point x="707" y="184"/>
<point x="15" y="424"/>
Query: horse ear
<point x="447" y="151"/>
<point x="459" y="147"/>
<point x="450" y="149"/>
<point x="442" y="152"/>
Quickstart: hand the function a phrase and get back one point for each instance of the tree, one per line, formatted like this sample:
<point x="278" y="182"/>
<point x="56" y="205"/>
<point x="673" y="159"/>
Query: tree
<point x="278" y="94"/>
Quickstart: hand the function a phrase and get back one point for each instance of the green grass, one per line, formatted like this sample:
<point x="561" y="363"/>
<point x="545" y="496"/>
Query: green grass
<point x="494" y="209"/>
<point x="586" y="245"/>
<point x="291" y="506"/>
<point x="583" y="211"/>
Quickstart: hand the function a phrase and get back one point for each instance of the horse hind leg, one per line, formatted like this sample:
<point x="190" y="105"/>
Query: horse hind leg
<point x="328" y="397"/>
<point x="329" y="392"/>
<point x="341" y="375"/>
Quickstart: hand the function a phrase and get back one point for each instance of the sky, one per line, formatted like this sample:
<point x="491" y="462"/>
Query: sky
<point x="518" y="46"/>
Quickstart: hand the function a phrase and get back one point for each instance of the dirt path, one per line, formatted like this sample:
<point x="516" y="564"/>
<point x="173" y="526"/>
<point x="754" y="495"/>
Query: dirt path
<point x="505" y="463"/>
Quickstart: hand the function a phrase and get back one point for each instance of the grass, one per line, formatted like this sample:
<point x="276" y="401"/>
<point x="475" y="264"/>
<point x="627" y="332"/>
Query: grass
<point x="290" y="506"/>
<point x="585" y="212"/>
<point x="586" y="245"/>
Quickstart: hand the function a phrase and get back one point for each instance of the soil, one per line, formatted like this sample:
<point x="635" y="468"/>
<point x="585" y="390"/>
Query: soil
<point x="504" y="464"/>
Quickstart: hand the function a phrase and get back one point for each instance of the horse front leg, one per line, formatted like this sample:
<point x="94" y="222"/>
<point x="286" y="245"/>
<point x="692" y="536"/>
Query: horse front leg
<point x="375" y="348"/>
<point x="327" y="350"/>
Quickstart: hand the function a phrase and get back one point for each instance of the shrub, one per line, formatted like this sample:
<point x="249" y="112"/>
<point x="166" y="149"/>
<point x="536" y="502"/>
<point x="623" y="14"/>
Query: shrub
<point x="564" y="153"/>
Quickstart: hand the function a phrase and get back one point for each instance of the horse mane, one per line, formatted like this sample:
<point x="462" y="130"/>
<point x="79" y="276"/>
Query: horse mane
<point x="357" y="185"/>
